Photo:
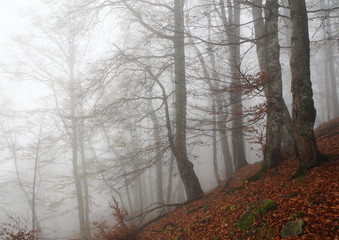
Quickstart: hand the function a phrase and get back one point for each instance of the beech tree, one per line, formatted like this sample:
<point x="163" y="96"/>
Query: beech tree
<point x="218" y="97"/>
<point x="268" y="51"/>
<point x="329" y="67"/>
<point x="303" y="110"/>
<point x="231" y="24"/>
<point x="175" y="35"/>
<point x="52" y="59"/>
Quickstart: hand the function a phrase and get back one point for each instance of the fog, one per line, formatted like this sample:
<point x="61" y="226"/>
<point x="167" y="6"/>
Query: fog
<point x="92" y="108"/>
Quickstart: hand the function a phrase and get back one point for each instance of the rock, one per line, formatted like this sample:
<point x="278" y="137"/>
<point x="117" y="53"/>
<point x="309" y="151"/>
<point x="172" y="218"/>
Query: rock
<point x="293" y="228"/>
<point x="268" y="205"/>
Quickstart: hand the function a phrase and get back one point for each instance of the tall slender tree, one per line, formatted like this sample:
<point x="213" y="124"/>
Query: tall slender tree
<point x="231" y="24"/>
<point x="178" y="142"/>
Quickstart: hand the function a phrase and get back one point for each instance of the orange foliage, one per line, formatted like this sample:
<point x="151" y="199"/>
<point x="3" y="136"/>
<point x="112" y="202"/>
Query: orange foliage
<point x="121" y="231"/>
<point x="17" y="229"/>
<point x="314" y="198"/>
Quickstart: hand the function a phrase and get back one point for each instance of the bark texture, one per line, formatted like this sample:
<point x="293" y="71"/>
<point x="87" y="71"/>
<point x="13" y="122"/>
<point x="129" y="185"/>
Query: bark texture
<point x="303" y="111"/>
<point x="274" y="125"/>
<point x="268" y="51"/>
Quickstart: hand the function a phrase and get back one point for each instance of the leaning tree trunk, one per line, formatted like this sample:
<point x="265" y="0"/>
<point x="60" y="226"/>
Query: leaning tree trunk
<point x="303" y="111"/>
<point x="186" y="171"/>
<point x="187" y="174"/>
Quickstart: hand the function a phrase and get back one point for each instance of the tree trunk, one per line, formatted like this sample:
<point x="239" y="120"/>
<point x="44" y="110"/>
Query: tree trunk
<point x="76" y="177"/>
<point x="158" y="165"/>
<point x="139" y="190"/>
<point x="84" y="175"/>
<point x="332" y="76"/>
<point x="160" y="196"/>
<point x="129" y="200"/>
<point x="214" y="139"/>
<point x="150" y="187"/>
<point x="236" y="95"/>
<point x="37" y="155"/>
<point x="187" y="174"/>
<point x="303" y="111"/>
<point x="327" y="94"/>
<point x="86" y="193"/>
<point x="221" y="123"/>
<point x="232" y="29"/>
<point x="288" y="29"/>
<point x="267" y="45"/>
<point x="170" y="179"/>
<point x="218" y="100"/>
<point x="274" y="125"/>
<point x="180" y="191"/>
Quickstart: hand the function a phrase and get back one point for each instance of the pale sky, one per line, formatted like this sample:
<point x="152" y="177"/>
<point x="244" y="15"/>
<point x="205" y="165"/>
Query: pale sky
<point x="10" y="20"/>
<point x="14" y="22"/>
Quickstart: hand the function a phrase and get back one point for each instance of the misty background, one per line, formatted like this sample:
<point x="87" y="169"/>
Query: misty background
<point x="88" y="91"/>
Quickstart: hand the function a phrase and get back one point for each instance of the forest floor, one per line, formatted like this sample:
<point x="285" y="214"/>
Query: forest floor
<point x="313" y="198"/>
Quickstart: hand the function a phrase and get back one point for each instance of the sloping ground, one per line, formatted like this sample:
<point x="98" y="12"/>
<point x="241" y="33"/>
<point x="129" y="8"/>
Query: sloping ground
<point x="313" y="198"/>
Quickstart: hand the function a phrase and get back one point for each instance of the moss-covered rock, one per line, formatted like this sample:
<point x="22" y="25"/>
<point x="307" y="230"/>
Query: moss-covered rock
<point x="245" y="221"/>
<point x="253" y="211"/>
<point x="268" y="205"/>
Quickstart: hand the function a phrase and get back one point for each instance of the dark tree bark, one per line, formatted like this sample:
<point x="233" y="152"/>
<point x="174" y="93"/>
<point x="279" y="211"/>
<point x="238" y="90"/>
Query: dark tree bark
<point x="187" y="174"/>
<point x="303" y="111"/>
<point x="268" y="51"/>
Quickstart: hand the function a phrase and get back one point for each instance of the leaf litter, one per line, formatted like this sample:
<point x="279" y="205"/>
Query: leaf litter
<point x="313" y="198"/>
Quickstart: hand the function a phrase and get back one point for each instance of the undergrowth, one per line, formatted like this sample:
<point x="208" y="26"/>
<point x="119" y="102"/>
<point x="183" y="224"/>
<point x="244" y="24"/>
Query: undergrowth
<point x="121" y="231"/>
<point x="17" y="228"/>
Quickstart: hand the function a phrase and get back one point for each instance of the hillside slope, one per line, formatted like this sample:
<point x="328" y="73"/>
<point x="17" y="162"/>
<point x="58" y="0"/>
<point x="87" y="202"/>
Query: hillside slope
<point x="313" y="198"/>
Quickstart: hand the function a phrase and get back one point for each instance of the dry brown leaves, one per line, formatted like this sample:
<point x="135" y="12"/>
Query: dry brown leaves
<point x="316" y="201"/>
